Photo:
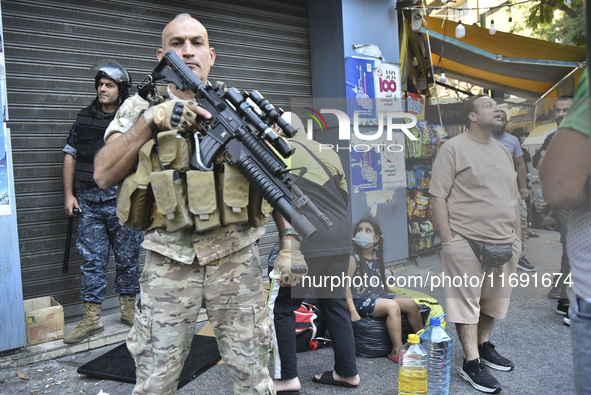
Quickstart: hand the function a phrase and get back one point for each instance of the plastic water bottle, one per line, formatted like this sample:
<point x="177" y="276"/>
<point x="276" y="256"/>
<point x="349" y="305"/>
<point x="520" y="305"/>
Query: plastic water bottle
<point x="539" y="199"/>
<point x="412" y="373"/>
<point x="438" y="345"/>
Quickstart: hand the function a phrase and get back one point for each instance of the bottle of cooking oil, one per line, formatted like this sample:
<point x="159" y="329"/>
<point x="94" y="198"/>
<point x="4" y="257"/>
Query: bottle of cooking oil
<point x="412" y="373"/>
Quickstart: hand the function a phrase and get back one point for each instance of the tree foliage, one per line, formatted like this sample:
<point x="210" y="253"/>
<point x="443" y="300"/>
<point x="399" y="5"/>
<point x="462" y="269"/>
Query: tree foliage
<point x="566" y="26"/>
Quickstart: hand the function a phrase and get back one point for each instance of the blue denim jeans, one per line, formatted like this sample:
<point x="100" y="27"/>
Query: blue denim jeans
<point x="580" y="326"/>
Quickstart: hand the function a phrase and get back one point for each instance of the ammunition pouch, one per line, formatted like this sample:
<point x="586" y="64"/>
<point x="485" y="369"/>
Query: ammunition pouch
<point x="170" y="193"/>
<point x="134" y="195"/>
<point x="259" y="209"/>
<point x="165" y="192"/>
<point x="234" y="195"/>
<point x="174" y="150"/>
<point x="203" y="200"/>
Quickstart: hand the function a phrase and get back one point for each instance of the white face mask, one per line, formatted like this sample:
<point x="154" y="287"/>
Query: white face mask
<point x="363" y="239"/>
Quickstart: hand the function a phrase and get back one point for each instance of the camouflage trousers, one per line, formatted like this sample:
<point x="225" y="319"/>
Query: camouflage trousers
<point x="99" y="228"/>
<point x="172" y="293"/>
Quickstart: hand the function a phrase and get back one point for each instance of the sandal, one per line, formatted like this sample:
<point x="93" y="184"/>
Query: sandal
<point x="327" y="378"/>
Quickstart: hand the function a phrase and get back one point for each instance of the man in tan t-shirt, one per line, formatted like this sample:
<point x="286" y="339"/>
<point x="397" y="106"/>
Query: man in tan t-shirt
<point x="474" y="194"/>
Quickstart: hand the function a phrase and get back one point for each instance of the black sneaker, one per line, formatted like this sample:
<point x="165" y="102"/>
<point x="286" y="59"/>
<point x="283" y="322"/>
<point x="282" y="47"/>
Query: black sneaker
<point x="475" y="373"/>
<point x="554" y="293"/>
<point x="566" y="319"/>
<point x="524" y="265"/>
<point x="562" y="308"/>
<point x="493" y="359"/>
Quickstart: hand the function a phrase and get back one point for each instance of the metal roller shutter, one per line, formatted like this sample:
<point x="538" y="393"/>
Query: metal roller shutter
<point x="49" y="48"/>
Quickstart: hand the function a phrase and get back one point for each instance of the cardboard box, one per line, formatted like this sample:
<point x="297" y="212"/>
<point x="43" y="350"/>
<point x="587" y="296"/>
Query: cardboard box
<point x="44" y="320"/>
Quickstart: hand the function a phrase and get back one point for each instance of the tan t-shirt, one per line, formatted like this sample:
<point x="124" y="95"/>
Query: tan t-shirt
<point x="478" y="182"/>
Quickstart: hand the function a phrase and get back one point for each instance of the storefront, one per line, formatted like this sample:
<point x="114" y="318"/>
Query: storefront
<point x="505" y="64"/>
<point x="50" y="47"/>
<point x="288" y="50"/>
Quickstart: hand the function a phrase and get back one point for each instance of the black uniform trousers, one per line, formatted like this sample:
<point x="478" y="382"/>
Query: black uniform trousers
<point x="333" y="307"/>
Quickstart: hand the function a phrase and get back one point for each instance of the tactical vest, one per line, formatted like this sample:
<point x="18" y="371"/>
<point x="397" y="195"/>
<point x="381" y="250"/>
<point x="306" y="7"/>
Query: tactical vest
<point x="164" y="192"/>
<point x="90" y="131"/>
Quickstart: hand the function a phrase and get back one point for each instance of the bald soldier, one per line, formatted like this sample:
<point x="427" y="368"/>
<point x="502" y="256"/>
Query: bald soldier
<point x="211" y="263"/>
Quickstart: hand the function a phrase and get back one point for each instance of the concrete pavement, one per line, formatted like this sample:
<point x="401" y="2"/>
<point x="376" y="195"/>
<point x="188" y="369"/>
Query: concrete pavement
<point x="532" y="335"/>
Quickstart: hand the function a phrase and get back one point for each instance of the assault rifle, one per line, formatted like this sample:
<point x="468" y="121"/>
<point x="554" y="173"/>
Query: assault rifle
<point x="243" y="136"/>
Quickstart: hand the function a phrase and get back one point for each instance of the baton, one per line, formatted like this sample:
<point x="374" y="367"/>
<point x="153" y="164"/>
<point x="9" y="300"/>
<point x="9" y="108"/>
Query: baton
<point x="69" y="240"/>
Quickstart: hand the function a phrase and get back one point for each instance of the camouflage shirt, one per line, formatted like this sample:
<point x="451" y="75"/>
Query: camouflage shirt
<point x="183" y="246"/>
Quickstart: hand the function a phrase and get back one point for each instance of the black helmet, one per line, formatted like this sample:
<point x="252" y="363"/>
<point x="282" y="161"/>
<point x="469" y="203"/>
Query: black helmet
<point x="113" y="70"/>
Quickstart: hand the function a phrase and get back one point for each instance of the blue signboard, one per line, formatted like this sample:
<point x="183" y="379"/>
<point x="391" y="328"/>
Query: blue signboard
<point x="12" y="324"/>
<point x="360" y="88"/>
<point x="366" y="171"/>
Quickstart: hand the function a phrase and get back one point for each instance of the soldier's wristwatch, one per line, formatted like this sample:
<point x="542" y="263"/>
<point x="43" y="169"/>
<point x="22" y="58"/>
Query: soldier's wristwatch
<point x="290" y="232"/>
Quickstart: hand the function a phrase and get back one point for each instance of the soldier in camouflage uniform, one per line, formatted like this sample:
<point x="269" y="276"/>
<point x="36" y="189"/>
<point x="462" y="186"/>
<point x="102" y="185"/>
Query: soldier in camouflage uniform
<point x="98" y="225"/>
<point x="185" y="270"/>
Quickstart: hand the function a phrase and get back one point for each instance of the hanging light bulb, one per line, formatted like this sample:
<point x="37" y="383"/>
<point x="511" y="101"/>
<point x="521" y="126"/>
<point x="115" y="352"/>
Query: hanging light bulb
<point x="460" y="30"/>
<point x="492" y="29"/>
<point x="442" y="77"/>
<point x="415" y="62"/>
<point x="421" y="83"/>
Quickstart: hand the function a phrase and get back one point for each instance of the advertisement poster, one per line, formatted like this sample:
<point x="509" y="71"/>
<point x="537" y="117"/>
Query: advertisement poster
<point x="4" y="135"/>
<point x="4" y="171"/>
<point x="3" y="101"/>
<point x="366" y="171"/>
<point x="393" y="163"/>
<point x="388" y="88"/>
<point x="360" y="92"/>
<point x="415" y="104"/>
<point x="4" y="181"/>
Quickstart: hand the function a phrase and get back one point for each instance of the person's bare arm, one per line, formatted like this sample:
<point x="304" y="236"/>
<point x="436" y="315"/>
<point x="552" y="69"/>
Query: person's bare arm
<point x="518" y="221"/>
<point x="565" y="169"/>
<point x="68" y="172"/>
<point x="119" y="156"/>
<point x="521" y="177"/>
<point x="441" y="218"/>
<point x="350" y="305"/>
<point x="280" y="222"/>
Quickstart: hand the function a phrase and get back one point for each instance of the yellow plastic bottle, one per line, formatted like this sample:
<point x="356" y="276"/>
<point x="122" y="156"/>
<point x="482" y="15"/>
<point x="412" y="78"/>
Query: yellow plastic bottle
<point x="412" y="374"/>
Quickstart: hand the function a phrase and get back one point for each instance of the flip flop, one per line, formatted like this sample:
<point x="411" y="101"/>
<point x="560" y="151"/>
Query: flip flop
<point x="327" y="378"/>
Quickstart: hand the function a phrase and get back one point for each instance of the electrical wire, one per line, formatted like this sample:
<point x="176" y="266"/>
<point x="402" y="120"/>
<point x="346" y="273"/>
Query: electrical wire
<point x="424" y="7"/>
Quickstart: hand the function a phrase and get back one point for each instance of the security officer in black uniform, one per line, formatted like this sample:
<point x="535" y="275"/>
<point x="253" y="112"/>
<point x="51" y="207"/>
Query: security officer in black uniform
<point x="98" y="225"/>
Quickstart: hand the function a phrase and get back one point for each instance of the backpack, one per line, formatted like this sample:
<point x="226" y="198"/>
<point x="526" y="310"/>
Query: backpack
<point x="309" y="328"/>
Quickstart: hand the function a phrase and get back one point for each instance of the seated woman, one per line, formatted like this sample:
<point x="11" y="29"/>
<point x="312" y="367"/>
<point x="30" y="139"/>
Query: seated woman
<point x="368" y="295"/>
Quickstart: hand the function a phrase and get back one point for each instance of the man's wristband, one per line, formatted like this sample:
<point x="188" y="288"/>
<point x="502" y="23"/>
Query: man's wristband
<point x="290" y="232"/>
